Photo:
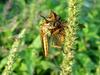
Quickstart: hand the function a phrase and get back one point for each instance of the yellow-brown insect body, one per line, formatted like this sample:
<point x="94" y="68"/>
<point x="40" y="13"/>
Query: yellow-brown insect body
<point x="55" y="26"/>
<point x="44" y="37"/>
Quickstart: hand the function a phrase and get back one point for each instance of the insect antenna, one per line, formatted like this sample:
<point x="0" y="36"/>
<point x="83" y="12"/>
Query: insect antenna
<point x="44" y="18"/>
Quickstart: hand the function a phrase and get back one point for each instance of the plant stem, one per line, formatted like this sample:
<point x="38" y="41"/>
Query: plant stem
<point x="71" y="30"/>
<point x="12" y="55"/>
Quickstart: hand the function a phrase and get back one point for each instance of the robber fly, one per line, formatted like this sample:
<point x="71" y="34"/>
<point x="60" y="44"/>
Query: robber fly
<point x="52" y="27"/>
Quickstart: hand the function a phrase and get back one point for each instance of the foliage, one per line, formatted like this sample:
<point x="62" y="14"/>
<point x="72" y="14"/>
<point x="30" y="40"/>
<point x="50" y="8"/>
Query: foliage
<point x="16" y="15"/>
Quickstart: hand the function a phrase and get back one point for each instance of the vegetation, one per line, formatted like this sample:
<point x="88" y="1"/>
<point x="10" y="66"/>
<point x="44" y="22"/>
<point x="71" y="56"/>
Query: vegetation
<point x="20" y="44"/>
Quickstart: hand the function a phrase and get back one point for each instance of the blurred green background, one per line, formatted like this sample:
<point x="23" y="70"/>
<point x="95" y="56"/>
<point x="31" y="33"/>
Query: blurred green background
<point x="15" y="15"/>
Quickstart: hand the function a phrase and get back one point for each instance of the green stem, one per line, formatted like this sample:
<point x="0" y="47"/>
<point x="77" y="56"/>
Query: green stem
<point x="71" y="30"/>
<point x="12" y="55"/>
